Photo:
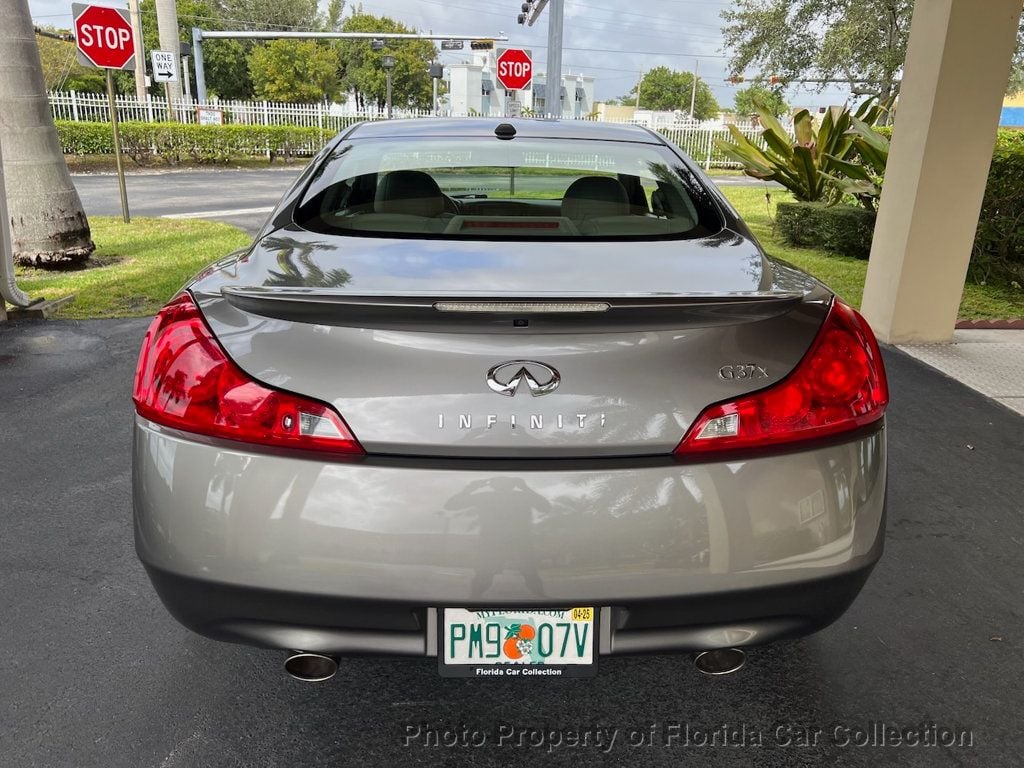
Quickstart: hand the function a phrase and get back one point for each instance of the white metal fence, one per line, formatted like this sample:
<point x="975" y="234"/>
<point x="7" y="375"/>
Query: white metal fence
<point x="70" y="105"/>
<point x="698" y="141"/>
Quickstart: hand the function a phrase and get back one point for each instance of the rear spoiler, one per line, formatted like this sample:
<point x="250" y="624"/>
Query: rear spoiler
<point x="467" y="312"/>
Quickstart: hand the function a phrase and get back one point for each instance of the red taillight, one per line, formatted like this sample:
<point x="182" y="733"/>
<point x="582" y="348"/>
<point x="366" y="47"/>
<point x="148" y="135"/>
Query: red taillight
<point x="838" y="386"/>
<point x="185" y="380"/>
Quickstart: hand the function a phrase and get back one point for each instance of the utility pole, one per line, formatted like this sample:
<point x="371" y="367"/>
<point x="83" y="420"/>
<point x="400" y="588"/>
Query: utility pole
<point x="639" y="85"/>
<point x="556" y="19"/>
<point x="693" y="93"/>
<point x="140" y="50"/>
<point x="167" y="24"/>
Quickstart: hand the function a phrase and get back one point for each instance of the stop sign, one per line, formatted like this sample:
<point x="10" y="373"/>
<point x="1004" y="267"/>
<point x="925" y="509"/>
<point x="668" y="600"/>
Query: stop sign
<point x="104" y="36"/>
<point x="515" y="69"/>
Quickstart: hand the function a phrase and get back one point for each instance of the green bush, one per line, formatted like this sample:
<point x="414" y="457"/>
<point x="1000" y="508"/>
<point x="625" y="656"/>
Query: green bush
<point x="844" y="229"/>
<point x="174" y="142"/>
<point x="999" y="242"/>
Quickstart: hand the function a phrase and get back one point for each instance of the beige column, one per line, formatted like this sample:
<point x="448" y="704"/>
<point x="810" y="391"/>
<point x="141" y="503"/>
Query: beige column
<point x="958" y="63"/>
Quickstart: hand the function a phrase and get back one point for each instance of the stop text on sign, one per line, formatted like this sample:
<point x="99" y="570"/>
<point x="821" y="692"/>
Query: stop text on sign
<point x="514" y="69"/>
<point x="93" y="35"/>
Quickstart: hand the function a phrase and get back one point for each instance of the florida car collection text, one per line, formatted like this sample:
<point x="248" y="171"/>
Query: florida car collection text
<point x="606" y="738"/>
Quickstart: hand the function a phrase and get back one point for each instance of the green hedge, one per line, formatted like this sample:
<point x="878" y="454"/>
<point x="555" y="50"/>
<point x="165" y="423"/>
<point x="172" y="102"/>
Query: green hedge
<point x="999" y="241"/>
<point x="845" y="229"/>
<point x="174" y="142"/>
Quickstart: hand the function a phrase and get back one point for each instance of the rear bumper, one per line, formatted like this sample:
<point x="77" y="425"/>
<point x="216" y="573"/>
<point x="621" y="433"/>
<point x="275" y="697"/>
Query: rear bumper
<point x="338" y="625"/>
<point x="293" y="552"/>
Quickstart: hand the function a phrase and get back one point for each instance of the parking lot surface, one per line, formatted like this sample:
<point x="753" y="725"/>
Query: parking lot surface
<point x="93" y="672"/>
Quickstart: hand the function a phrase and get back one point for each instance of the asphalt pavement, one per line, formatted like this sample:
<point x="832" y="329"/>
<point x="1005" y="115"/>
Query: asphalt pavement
<point x="243" y="197"/>
<point x="93" y="671"/>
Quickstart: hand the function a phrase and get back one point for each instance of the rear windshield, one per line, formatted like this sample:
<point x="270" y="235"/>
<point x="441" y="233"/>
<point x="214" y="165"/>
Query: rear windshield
<point x="486" y="188"/>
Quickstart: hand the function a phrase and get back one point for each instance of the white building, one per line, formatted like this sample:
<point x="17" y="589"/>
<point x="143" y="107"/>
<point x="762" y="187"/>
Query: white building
<point x="474" y="90"/>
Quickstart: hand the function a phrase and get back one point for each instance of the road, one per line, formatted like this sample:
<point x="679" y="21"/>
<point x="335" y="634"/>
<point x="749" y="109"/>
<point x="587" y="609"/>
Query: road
<point x="240" y="197"/>
<point x="95" y="673"/>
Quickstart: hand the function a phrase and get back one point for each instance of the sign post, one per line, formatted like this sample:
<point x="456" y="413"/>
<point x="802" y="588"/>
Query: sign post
<point x="105" y="38"/>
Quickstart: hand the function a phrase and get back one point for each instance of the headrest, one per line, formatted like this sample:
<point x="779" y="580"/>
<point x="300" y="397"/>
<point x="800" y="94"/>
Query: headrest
<point x="667" y="201"/>
<point x="413" y="193"/>
<point x="593" y="196"/>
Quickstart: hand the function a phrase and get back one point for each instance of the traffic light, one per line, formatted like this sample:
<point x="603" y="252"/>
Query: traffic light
<point x="775" y="80"/>
<point x="482" y="45"/>
<point x="734" y="79"/>
<point x="526" y="8"/>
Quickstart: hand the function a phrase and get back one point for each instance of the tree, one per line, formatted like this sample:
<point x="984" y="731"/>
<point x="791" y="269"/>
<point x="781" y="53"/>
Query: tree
<point x="226" y="65"/>
<point x="1016" y="83"/>
<point x="61" y="70"/>
<point x="294" y="70"/>
<point x="862" y="42"/>
<point x="361" y="69"/>
<point x="270" y="14"/>
<point x="664" y="89"/>
<point x="48" y="223"/>
<point x="749" y="99"/>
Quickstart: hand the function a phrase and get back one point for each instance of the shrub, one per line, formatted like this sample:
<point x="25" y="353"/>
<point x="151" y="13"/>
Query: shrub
<point x="844" y="229"/>
<point x="173" y="142"/>
<point x="999" y="242"/>
<point x="816" y="163"/>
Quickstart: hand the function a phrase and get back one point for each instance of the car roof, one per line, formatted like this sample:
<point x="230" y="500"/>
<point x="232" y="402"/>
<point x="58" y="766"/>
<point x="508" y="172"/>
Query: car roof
<point x="530" y="128"/>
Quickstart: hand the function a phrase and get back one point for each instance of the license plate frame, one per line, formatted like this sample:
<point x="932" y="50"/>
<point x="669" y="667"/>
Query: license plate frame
<point x="518" y="669"/>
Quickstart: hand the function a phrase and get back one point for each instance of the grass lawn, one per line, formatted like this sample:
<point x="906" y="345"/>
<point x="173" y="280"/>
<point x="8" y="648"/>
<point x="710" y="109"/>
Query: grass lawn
<point x="845" y="275"/>
<point x="136" y="268"/>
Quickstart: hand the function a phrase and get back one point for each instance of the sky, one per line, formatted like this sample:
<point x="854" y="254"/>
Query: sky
<point x="611" y="40"/>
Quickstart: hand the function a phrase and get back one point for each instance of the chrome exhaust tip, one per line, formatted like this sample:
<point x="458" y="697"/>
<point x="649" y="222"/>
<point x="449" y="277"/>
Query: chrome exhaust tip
<point x="721" y="661"/>
<point x="311" y="667"/>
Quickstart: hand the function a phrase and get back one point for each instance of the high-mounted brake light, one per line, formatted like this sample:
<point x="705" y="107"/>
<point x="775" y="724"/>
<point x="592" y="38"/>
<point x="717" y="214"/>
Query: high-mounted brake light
<point x="837" y="387"/>
<point x="185" y="380"/>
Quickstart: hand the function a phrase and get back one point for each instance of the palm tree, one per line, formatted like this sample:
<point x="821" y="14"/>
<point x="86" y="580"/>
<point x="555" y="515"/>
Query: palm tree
<point x="48" y="224"/>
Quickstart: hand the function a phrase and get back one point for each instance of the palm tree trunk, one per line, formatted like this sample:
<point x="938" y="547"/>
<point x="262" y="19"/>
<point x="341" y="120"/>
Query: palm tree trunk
<point x="47" y="221"/>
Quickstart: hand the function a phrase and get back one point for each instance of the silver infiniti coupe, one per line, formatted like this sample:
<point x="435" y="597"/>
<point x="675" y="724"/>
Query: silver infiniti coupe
<point x="514" y="395"/>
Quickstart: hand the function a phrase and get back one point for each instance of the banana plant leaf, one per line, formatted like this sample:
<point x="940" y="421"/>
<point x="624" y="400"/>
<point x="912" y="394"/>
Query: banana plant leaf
<point x="803" y="127"/>
<point x="851" y="170"/>
<point x="843" y="155"/>
<point x="872" y="146"/>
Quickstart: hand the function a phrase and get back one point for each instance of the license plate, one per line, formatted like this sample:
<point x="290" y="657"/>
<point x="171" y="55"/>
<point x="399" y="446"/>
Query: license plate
<point x="508" y="643"/>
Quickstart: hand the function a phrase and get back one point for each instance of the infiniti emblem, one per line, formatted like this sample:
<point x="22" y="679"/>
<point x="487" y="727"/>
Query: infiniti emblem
<point x="505" y="378"/>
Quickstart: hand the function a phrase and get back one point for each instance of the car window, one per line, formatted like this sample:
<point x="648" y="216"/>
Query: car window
<point x="485" y="188"/>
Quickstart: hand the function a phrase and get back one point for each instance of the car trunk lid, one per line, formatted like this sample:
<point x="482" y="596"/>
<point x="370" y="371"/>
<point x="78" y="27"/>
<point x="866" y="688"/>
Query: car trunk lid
<point x="493" y="349"/>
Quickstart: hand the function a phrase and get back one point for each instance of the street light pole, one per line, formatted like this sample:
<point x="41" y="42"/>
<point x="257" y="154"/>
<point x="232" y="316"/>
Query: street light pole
<point x="555" y="25"/>
<point x="388" y="62"/>
<point x="436" y="73"/>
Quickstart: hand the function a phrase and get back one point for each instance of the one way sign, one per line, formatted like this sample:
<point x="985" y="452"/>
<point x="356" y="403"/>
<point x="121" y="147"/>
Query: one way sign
<point x="165" y="67"/>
